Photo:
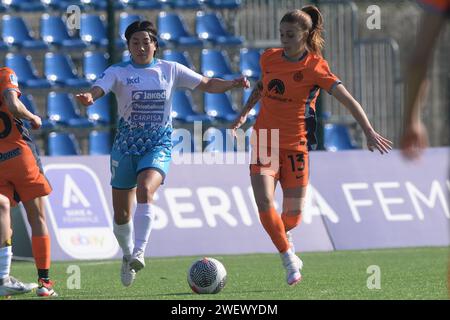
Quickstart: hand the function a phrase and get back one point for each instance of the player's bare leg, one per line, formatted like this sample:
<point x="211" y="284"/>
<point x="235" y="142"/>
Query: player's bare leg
<point x="123" y="230"/>
<point x="8" y="285"/>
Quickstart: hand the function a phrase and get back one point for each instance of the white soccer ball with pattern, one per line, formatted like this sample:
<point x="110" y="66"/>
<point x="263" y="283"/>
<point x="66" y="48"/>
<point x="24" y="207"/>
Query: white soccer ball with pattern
<point x="207" y="275"/>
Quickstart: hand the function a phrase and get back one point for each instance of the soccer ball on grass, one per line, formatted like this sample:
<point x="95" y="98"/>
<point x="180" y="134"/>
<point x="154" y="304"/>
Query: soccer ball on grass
<point x="207" y="275"/>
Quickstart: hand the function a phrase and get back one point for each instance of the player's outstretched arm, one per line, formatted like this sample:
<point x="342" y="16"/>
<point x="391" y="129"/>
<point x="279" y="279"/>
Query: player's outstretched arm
<point x="18" y="109"/>
<point x="251" y="102"/>
<point x="374" y="140"/>
<point x="217" y="85"/>
<point x="88" y="98"/>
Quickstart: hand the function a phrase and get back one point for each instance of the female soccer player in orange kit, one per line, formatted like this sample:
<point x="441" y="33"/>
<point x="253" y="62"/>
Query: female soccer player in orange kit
<point x="21" y="180"/>
<point x="292" y="77"/>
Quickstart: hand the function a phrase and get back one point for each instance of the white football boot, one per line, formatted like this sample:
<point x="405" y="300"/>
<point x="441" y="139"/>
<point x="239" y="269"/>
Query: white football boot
<point x="45" y="288"/>
<point x="137" y="261"/>
<point x="293" y="264"/>
<point x="11" y="286"/>
<point x="127" y="274"/>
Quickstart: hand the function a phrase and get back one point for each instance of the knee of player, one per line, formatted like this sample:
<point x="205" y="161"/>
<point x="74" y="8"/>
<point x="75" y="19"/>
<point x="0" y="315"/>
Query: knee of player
<point x="145" y="194"/>
<point x="291" y="218"/>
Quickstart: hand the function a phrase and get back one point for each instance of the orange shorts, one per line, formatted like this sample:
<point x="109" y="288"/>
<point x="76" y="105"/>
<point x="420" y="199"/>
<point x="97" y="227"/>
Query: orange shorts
<point x="21" y="175"/>
<point x="290" y="167"/>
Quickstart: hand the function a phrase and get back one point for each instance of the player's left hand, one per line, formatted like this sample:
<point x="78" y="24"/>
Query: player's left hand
<point x="36" y="122"/>
<point x="241" y="82"/>
<point x="376" y="141"/>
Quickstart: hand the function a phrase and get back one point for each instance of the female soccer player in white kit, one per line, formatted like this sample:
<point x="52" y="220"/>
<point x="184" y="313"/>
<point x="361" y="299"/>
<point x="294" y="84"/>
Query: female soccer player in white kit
<point x="141" y="151"/>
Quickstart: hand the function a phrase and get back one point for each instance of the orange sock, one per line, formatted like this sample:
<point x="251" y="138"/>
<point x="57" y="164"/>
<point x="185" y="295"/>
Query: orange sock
<point x="290" y="221"/>
<point x="273" y="225"/>
<point x="41" y="251"/>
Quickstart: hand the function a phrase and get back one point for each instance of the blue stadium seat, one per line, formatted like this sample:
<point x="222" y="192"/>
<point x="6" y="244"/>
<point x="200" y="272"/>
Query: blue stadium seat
<point x="100" y="4"/>
<point x="62" y="144"/>
<point x="24" y="5"/>
<point x="100" y="112"/>
<point x="94" y="64"/>
<point x="220" y="106"/>
<point x="171" y="28"/>
<point x="25" y="71"/>
<point x="99" y="142"/>
<point x="183" y="108"/>
<point x="63" y="110"/>
<point x="54" y="32"/>
<point x="249" y="62"/>
<point x="4" y="46"/>
<point x="125" y="19"/>
<point x="210" y="26"/>
<point x="186" y="4"/>
<point x="255" y="111"/>
<point x="337" y="137"/>
<point x="144" y="4"/>
<point x="93" y="30"/>
<point x="215" y="63"/>
<point x="180" y="57"/>
<point x="218" y="140"/>
<point x="15" y="32"/>
<point x="223" y="4"/>
<point x="61" y="4"/>
<point x="59" y="69"/>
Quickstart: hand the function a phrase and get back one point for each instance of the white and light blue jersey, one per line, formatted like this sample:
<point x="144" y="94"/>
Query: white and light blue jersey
<point x="144" y="102"/>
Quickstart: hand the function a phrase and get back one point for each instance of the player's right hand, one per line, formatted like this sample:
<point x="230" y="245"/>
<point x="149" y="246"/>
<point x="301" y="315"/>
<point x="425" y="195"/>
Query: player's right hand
<point x="238" y="123"/>
<point x="85" y="98"/>
<point x="36" y="122"/>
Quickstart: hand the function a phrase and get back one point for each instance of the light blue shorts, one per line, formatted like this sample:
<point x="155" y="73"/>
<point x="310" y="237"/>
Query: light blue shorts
<point x="125" y="168"/>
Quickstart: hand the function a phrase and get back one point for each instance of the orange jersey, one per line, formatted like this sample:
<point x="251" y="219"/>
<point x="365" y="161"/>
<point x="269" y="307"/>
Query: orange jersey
<point x="439" y="6"/>
<point x="288" y="102"/>
<point x="21" y="175"/>
<point x="12" y="132"/>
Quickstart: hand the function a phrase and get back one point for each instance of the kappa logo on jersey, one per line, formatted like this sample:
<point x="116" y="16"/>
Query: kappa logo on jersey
<point x="13" y="79"/>
<point x="132" y="80"/>
<point x="276" y="86"/>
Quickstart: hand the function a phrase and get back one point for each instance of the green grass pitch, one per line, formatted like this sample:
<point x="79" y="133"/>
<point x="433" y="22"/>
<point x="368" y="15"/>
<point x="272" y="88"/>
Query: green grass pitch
<point x="412" y="273"/>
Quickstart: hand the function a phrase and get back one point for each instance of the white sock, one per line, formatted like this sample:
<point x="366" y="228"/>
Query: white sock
<point x="143" y="220"/>
<point x="5" y="261"/>
<point x="286" y="256"/>
<point x="124" y="236"/>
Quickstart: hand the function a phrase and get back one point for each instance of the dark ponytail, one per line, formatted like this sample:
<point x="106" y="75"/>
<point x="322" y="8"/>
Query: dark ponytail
<point x="315" y="39"/>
